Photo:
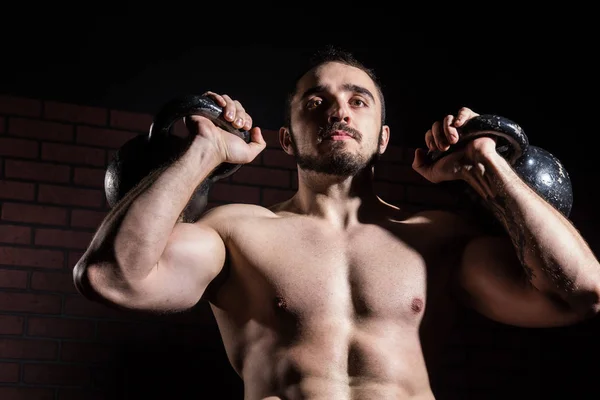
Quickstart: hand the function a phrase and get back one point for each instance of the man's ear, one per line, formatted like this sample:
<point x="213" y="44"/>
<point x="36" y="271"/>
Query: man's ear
<point x="285" y="140"/>
<point x="385" y="138"/>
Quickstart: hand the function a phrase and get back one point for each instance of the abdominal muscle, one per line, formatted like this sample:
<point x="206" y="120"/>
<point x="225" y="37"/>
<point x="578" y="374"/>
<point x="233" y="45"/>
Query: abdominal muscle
<point x="336" y="359"/>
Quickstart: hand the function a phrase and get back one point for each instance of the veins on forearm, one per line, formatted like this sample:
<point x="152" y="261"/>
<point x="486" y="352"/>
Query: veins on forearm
<point x="510" y="220"/>
<point x="509" y="215"/>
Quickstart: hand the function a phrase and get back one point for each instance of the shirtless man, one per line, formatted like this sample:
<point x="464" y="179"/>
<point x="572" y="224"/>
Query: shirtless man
<point x="325" y="295"/>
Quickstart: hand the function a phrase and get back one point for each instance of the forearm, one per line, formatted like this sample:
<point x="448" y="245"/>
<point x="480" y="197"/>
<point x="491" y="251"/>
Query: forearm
<point x="134" y="234"/>
<point x="553" y="254"/>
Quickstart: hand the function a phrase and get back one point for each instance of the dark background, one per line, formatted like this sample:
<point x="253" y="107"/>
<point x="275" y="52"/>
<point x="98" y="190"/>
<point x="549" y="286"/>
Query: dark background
<point x="544" y="77"/>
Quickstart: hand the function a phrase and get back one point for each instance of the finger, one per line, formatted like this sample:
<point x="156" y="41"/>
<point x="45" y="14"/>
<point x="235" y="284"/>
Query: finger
<point x="242" y="119"/>
<point x="429" y="141"/>
<point x="216" y="97"/>
<point x="439" y="137"/>
<point x="420" y="160"/>
<point x="230" y="109"/>
<point x="450" y="132"/>
<point x="247" y="123"/>
<point x="463" y="115"/>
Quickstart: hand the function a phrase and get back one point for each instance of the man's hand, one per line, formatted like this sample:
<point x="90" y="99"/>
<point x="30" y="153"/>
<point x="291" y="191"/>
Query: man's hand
<point x="461" y="163"/>
<point x="230" y="148"/>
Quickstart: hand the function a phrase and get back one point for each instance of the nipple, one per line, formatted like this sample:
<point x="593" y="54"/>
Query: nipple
<point x="280" y="303"/>
<point x="416" y="305"/>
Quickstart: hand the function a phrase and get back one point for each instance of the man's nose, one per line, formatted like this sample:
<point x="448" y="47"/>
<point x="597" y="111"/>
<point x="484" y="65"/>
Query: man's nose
<point x="339" y="112"/>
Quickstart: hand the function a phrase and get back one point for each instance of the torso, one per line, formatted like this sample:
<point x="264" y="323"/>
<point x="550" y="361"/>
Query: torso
<point x="311" y="312"/>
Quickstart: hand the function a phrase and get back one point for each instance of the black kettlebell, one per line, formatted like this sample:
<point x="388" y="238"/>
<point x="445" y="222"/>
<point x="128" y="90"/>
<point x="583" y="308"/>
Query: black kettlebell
<point x="541" y="170"/>
<point x="139" y="156"/>
<point x="547" y="176"/>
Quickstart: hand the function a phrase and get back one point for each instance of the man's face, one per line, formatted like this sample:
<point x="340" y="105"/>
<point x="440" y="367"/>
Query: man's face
<point x="336" y="121"/>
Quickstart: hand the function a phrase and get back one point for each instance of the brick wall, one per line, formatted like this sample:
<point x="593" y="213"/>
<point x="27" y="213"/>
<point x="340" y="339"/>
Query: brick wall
<point x="54" y="344"/>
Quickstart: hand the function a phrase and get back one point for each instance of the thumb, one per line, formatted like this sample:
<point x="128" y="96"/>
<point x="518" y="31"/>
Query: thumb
<point x="257" y="141"/>
<point x="420" y="162"/>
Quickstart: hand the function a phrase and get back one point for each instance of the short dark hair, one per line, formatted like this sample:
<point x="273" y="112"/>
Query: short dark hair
<point x="327" y="54"/>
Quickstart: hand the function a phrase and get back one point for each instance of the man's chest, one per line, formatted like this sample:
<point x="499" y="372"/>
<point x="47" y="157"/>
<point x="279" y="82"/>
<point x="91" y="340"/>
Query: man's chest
<point x="309" y="270"/>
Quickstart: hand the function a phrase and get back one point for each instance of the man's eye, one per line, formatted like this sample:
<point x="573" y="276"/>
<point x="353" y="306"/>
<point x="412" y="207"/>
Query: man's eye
<point x="314" y="103"/>
<point x="358" y="102"/>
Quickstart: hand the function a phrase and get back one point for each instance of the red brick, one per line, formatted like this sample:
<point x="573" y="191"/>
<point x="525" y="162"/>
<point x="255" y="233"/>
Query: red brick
<point x="44" y="130"/>
<point x="93" y="177"/>
<point x="103" y="137"/>
<point x="28" y="257"/>
<point x="53" y="281"/>
<point x="274" y="196"/>
<point x="9" y="372"/>
<point x="87" y="352"/>
<point x="75" y="113"/>
<point x="73" y="154"/>
<point x="61" y="328"/>
<point x="15" y="234"/>
<point x="73" y="258"/>
<point x="20" y="106"/>
<point x="62" y="238"/>
<point x="110" y="154"/>
<point x="30" y="303"/>
<point x="16" y="190"/>
<point x="64" y="195"/>
<point x="234" y="193"/>
<point x="26" y="393"/>
<point x="56" y="374"/>
<point x="79" y="306"/>
<point x="11" y="324"/>
<point x="13" y="147"/>
<point x="87" y="218"/>
<point x="278" y="158"/>
<point x="130" y="120"/>
<point x="13" y="279"/>
<point x="254" y="175"/>
<point x="28" y="349"/>
<point x="37" y="171"/>
<point x="272" y="138"/>
<point x="34" y="214"/>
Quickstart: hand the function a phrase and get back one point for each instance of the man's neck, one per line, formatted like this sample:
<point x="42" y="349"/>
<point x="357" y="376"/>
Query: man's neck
<point x="343" y="201"/>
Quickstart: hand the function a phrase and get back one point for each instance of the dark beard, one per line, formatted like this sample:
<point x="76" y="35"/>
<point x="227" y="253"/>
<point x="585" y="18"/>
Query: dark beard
<point x="337" y="162"/>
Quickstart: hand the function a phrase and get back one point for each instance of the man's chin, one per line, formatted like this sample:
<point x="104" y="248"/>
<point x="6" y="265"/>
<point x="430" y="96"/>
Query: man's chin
<point x="336" y="166"/>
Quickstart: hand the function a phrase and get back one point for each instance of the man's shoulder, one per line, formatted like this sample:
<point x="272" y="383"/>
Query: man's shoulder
<point x="236" y="211"/>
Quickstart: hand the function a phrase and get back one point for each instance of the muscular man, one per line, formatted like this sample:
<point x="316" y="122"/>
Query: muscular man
<point x="325" y="295"/>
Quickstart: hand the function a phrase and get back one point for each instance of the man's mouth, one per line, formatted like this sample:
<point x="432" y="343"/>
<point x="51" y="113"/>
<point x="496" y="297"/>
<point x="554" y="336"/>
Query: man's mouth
<point x="339" y="135"/>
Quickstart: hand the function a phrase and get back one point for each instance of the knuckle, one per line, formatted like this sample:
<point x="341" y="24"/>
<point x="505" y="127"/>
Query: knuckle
<point x="463" y="110"/>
